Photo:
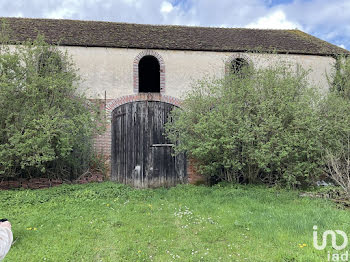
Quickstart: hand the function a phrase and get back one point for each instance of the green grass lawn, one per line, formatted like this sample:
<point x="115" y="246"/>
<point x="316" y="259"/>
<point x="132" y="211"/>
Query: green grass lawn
<point x="112" y="222"/>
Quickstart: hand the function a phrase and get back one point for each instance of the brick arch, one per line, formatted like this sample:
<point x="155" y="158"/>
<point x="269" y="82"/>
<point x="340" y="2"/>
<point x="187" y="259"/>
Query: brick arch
<point x="161" y="68"/>
<point x="103" y="142"/>
<point x="140" y="97"/>
<point x="235" y="56"/>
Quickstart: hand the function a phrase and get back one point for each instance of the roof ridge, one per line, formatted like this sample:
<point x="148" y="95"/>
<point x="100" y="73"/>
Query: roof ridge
<point x="85" y="33"/>
<point x="156" y="25"/>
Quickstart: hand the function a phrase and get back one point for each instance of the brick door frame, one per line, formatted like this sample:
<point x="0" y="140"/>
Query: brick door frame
<point x="103" y="142"/>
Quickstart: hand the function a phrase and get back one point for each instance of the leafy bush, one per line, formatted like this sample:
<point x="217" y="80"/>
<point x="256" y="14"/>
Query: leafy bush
<point x="336" y="126"/>
<point x="340" y="79"/>
<point x="46" y="123"/>
<point x="258" y="125"/>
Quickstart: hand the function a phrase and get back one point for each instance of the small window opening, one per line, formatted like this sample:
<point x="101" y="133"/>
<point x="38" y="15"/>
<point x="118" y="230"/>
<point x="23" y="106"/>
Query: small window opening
<point x="238" y="65"/>
<point x="50" y="63"/>
<point x="149" y="75"/>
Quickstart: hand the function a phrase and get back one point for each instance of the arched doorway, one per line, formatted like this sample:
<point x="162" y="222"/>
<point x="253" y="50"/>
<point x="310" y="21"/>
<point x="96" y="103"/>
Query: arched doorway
<point x="149" y="75"/>
<point x="141" y="154"/>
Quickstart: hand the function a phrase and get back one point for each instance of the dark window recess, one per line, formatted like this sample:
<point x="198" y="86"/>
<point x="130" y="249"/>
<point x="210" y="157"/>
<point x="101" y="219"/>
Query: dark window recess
<point x="238" y="65"/>
<point x="149" y="75"/>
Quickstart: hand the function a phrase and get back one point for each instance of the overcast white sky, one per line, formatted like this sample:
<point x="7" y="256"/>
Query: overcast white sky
<point x="326" y="19"/>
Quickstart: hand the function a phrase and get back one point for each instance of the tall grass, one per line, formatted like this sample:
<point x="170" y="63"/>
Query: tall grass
<point x="112" y="222"/>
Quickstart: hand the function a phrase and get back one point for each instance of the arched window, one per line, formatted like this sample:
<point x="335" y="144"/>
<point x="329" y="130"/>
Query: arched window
<point x="149" y="75"/>
<point x="238" y="65"/>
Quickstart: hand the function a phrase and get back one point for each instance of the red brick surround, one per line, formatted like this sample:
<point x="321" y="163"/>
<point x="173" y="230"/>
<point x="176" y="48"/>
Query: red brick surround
<point x="140" y="97"/>
<point x="103" y="142"/>
<point x="136" y="69"/>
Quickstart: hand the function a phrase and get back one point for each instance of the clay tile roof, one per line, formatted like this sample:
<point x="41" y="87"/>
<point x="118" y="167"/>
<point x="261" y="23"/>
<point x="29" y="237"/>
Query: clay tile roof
<point x="124" y="35"/>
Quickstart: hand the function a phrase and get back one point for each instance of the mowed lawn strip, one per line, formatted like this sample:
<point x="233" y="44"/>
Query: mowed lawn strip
<point x="113" y="222"/>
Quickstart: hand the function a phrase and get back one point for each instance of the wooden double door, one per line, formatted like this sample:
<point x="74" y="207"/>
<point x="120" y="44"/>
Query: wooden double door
<point x="141" y="154"/>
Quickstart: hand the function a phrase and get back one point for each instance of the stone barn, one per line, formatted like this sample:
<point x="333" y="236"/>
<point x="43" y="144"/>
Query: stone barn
<point x="140" y="73"/>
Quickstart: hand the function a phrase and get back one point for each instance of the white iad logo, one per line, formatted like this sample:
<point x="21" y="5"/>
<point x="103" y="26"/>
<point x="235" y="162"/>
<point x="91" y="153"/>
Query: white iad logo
<point x="334" y="239"/>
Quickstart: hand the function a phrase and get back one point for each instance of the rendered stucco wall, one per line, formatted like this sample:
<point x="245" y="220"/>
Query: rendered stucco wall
<point x="111" y="69"/>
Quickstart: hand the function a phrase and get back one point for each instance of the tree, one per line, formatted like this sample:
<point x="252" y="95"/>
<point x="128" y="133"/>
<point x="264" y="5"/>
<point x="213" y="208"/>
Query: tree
<point x="336" y="126"/>
<point x="340" y="79"/>
<point x="46" y="122"/>
<point x="261" y="125"/>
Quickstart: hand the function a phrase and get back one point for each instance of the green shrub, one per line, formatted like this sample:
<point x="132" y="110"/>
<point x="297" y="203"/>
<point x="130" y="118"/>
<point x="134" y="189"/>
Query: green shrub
<point x="261" y="125"/>
<point x="46" y="123"/>
<point x="336" y="126"/>
<point x="340" y="79"/>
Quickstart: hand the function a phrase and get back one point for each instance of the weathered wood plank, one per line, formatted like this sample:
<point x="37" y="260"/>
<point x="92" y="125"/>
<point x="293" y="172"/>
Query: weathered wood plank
<point x="141" y="154"/>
